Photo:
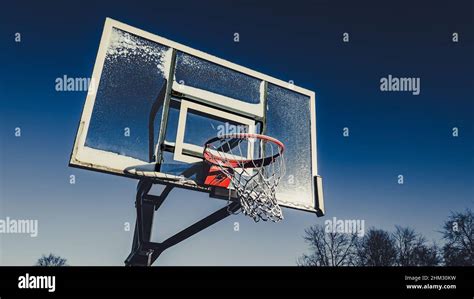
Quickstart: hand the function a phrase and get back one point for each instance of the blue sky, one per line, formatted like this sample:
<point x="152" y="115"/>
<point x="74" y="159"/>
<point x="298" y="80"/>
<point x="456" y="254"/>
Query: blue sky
<point x="390" y="133"/>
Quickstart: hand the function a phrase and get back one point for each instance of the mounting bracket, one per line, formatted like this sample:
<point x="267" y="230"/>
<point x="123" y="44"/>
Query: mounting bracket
<point x="144" y="252"/>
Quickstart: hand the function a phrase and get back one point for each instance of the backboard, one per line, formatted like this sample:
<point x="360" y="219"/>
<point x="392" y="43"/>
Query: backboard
<point x="153" y="103"/>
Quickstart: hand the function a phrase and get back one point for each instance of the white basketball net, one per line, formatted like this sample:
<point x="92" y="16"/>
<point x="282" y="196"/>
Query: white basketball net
<point x="254" y="164"/>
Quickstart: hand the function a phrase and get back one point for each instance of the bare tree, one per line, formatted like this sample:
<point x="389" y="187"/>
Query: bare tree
<point x="51" y="261"/>
<point x="404" y="247"/>
<point x="412" y="249"/>
<point x="428" y="255"/>
<point x="458" y="232"/>
<point x="328" y="248"/>
<point x="376" y="248"/>
<point x="406" y="242"/>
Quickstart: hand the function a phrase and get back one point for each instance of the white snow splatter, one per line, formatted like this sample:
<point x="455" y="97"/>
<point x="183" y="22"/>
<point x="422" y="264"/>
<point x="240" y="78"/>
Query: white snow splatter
<point x="125" y="45"/>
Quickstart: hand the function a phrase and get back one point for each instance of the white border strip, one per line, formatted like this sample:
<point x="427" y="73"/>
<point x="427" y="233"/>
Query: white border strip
<point x="180" y="145"/>
<point x="230" y="104"/>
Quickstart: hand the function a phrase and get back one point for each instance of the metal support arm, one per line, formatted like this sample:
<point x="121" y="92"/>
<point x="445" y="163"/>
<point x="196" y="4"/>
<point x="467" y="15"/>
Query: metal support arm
<point x="144" y="252"/>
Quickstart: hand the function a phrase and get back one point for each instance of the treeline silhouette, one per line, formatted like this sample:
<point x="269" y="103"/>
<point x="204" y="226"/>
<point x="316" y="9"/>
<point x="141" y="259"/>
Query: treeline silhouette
<point x="51" y="260"/>
<point x="401" y="247"/>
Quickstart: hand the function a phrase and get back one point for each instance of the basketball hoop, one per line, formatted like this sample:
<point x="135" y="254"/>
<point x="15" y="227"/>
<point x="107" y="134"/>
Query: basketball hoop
<point x="253" y="165"/>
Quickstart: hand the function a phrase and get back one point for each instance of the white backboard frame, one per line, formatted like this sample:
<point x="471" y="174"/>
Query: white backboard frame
<point x="99" y="160"/>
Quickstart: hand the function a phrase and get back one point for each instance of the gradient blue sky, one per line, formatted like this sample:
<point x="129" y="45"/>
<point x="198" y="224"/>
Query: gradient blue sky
<point x="391" y="133"/>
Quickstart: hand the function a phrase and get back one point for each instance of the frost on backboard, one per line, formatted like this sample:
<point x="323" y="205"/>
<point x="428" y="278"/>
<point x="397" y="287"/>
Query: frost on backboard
<point x="149" y="85"/>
